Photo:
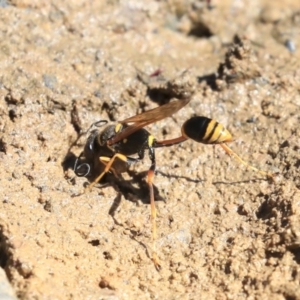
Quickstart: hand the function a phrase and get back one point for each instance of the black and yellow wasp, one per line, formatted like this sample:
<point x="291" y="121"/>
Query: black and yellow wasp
<point x="129" y="137"/>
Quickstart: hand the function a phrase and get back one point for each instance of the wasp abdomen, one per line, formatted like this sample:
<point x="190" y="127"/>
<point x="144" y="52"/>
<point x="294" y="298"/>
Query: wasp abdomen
<point x="205" y="130"/>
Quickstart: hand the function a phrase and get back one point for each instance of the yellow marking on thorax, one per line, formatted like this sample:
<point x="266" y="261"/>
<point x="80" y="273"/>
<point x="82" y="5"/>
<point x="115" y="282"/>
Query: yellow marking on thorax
<point x="151" y="140"/>
<point x="118" y="128"/>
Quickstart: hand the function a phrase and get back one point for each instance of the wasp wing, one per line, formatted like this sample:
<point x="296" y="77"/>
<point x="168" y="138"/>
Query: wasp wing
<point x="148" y="117"/>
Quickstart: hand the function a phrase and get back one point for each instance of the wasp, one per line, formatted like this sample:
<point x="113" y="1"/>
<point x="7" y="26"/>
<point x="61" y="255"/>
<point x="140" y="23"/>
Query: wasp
<point x="129" y="137"/>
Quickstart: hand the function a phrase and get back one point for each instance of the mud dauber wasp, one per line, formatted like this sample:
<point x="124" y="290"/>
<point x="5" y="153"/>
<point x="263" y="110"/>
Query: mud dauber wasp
<point x="120" y="141"/>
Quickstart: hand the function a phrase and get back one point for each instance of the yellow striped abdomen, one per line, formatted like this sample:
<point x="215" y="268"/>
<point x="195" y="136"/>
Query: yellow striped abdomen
<point x="205" y="130"/>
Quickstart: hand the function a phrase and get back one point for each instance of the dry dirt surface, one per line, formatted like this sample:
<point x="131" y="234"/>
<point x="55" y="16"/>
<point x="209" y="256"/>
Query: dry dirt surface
<point x="224" y="231"/>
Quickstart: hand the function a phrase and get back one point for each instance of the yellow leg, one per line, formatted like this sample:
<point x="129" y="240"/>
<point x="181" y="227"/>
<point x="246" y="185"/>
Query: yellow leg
<point x="105" y="160"/>
<point x="153" y="217"/>
<point x="232" y="153"/>
<point x="107" y="168"/>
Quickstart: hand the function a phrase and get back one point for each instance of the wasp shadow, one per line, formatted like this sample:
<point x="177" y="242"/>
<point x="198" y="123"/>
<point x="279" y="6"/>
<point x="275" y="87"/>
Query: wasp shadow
<point x="69" y="161"/>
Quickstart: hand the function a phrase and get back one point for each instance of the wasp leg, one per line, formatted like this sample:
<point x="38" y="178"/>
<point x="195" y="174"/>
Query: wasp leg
<point x="232" y="153"/>
<point x="105" y="160"/>
<point x="152" y="204"/>
<point x="109" y="163"/>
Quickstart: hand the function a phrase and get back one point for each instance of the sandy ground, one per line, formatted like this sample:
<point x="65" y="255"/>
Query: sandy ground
<point x="224" y="232"/>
